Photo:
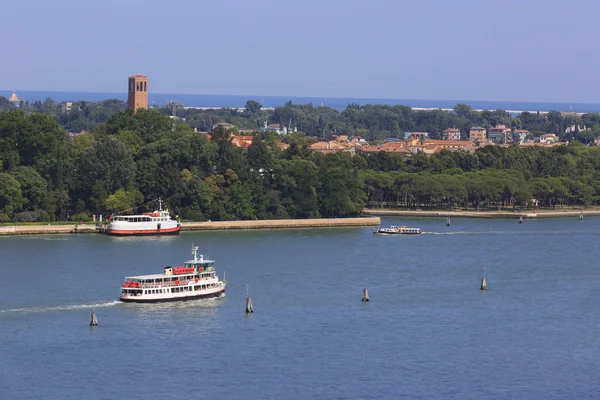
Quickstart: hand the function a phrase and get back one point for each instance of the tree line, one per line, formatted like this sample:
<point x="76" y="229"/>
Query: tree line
<point x="132" y="159"/>
<point x="373" y="122"/>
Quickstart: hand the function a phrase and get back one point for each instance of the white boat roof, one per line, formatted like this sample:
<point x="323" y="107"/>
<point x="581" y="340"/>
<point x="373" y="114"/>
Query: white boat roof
<point x="196" y="260"/>
<point x="152" y="276"/>
<point x="138" y="215"/>
<point x="159" y="276"/>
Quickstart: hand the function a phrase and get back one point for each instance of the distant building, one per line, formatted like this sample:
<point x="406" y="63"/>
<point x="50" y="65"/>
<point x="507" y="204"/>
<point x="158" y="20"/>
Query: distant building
<point x="477" y="133"/>
<point x="242" y="141"/>
<point x="66" y="106"/>
<point x="278" y="129"/>
<point x="416" y="135"/>
<point x="389" y="147"/>
<point x="14" y="99"/>
<point x="549" y="138"/>
<point x="499" y="134"/>
<point x="520" y="135"/>
<point x="449" y="145"/>
<point x="225" y="125"/>
<point x="137" y="94"/>
<point x="575" y="128"/>
<point x="451" y="134"/>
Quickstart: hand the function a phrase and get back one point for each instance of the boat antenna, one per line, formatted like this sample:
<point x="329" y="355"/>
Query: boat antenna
<point x="195" y="252"/>
<point x="159" y="204"/>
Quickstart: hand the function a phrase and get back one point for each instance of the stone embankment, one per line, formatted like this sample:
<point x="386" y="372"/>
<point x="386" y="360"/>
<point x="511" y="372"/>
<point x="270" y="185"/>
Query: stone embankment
<point x="481" y="214"/>
<point x="46" y="229"/>
<point x="281" y="223"/>
<point x="205" y="226"/>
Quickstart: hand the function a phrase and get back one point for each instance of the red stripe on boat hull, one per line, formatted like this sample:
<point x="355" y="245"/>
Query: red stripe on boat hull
<point x="138" y="232"/>
<point x="133" y="299"/>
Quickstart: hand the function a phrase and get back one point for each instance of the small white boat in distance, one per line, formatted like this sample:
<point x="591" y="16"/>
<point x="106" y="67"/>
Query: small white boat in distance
<point x="397" y="230"/>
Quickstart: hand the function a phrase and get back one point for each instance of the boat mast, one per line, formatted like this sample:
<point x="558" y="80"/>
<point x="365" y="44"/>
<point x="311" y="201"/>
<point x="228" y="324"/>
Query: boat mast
<point x="159" y="204"/>
<point x="195" y="252"/>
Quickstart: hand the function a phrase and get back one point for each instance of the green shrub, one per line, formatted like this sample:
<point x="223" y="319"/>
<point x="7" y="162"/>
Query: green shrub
<point x="81" y="217"/>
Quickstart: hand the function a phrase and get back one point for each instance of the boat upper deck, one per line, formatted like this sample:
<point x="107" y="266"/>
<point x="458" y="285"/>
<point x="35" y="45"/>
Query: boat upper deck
<point x="202" y="268"/>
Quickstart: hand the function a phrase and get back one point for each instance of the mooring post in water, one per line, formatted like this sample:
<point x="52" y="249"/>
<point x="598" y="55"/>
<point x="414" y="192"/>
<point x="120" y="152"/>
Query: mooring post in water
<point x="94" y="321"/>
<point x="448" y="221"/>
<point x="521" y="219"/>
<point x="249" y="308"/>
<point x="365" y="294"/>
<point x="581" y="216"/>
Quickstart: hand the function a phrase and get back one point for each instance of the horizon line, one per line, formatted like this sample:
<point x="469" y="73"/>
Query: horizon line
<point x="252" y="97"/>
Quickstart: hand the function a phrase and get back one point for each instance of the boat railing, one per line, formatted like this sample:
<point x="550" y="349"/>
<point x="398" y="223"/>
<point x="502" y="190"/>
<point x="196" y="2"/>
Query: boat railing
<point x="173" y="283"/>
<point x="140" y="293"/>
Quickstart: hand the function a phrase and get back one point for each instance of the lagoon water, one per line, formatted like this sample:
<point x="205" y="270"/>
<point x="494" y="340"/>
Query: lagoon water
<point x="428" y="331"/>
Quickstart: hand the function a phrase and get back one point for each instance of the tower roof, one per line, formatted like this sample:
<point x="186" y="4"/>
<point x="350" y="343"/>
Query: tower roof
<point x="137" y="76"/>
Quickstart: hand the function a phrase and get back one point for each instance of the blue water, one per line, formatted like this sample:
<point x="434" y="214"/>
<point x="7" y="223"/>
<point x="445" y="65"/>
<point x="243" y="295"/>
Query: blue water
<point x="428" y="331"/>
<point x="207" y="100"/>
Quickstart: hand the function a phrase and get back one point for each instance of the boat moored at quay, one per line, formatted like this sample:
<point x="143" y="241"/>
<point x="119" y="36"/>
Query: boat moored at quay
<point x="195" y="279"/>
<point x="397" y="230"/>
<point x="158" y="222"/>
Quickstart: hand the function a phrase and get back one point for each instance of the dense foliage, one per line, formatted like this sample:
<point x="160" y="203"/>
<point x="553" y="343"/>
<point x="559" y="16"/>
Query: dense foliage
<point x="374" y="122"/>
<point x="130" y="160"/>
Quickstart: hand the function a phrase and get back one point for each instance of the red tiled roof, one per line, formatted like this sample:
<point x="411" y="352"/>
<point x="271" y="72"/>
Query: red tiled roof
<point x="393" y="147"/>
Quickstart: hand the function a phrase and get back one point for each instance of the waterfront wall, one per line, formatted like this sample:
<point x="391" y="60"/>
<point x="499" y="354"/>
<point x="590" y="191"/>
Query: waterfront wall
<point x="45" y="229"/>
<point x="281" y="223"/>
<point x="204" y="226"/>
<point x="480" y="214"/>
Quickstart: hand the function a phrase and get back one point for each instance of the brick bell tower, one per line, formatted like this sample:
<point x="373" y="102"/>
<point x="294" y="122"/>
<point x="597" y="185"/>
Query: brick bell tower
<point x="137" y="92"/>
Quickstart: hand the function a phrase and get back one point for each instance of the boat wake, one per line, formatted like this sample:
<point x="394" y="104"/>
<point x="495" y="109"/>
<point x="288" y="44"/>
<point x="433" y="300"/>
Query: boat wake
<point x="456" y="233"/>
<point x="539" y="233"/>
<point x="66" y="307"/>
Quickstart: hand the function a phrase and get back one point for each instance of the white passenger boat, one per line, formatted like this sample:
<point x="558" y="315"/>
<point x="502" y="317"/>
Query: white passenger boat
<point x="397" y="230"/>
<point x="158" y="222"/>
<point x="195" y="279"/>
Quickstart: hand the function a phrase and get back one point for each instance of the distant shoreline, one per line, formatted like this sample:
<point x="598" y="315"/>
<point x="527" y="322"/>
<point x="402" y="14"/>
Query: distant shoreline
<point x="203" y="226"/>
<point x="339" y="103"/>
<point x="480" y="214"/>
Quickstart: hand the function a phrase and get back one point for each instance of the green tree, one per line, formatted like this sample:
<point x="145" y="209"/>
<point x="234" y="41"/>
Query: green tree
<point x="123" y="200"/>
<point x="34" y="188"/>
<point x="253" y="107"/>
<point x="10" y="195"/>
<point x="104" y="168"/>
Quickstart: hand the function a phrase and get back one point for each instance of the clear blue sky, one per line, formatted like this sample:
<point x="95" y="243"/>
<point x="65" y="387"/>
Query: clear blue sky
<point x="523" y="50"/>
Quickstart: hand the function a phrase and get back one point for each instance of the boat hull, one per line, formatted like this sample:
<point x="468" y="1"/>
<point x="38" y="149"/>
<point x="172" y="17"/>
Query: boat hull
<point x="143" y="232"/>
<point x="396" y="233"/>
<point x="138" y="299"/>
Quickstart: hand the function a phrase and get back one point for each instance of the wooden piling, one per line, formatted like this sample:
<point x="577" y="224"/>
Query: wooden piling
<point x="249" y="308"/>
<point x="94" y="321"/>
<point x="365" y="294"/>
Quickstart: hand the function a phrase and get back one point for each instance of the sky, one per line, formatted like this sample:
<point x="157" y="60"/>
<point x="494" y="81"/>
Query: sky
<point x="497" y="50"/>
